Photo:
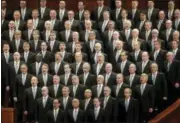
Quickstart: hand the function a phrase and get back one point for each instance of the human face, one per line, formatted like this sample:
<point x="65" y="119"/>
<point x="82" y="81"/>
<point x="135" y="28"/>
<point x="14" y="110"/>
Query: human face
<point x="44" y="69"/>
<point x="34" y="81"/>
<point x="24" y="69"/>
<point x="56" y="80"/>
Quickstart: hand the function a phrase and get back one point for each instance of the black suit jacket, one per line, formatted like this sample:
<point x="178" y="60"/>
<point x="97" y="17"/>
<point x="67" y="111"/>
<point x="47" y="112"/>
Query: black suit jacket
<point x="9" y="59"/>
<point x="41" y="111"/>
<point x="60" y="70"/>
<point x="95" y="93"/>
<point x="79" y="91"/>
<point x="29" y="103"/>
<point x="136" y="18"/>
<point x="125" y="72"/>
<point x="100" y="119"/>
<point x="177" y="55"/>
<point x="174" y="26"/>
<point x="154" y="15"/>
<point x="121" y="91"/>
<point x="32" y="46"/>
<point x="100" y="24"/>
<point x="22" y="25"/>
<point x="41" y="81"/>
<point x="77" y="16"/>
<point x="6" y="36"/>
<point x="146" y="100"/>
<point x="62" y="36"/>
<point x="132" y="113"/>
<point x="25" y="35"/>
<point x="90" y="80"/>
<point x="146" y="68"/>
<point x="76" y="26"/>
<point x="30" y="59"/>
<point x="55" y="47"/>
<point x="27" y="15"/>
<point x="89" y="106"/>
<point x="135" y="81"/>
<point x="80" y="70"/>
<point x="69" y="82"/>
<point x="48" y="58"/>
<point x="139" y="58"/>
<point x="68" y="105"/>
<point x="60" y="117"/>
<point x="80" y="116"/>
<point x="102" y="71"/>
<point x="19" y="88"/>
<point x="4" y="26"/>
<point x="45" y="15"/>
<point x="112" y="79"/>
<point x="65" y="16"/>
<point x="40" y="25"/>
<point x="13" y="46"/>
<point x="162" y="27"/>
<point x="52" y="93"/>
<point x="94" y="25"/>
<point x="113" y="15"/>
<point x="33" y="69"/>
<point x="143" y="45"/>
<point x="83" y="35"/>
<point x="67" y="57"/>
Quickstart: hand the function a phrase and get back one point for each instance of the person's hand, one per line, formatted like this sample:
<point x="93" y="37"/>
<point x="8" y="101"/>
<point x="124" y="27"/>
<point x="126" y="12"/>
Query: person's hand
<point x="25" y="112"/>
<point x="176" y="85"/>
<point x="151" y="110"/>
<point x="15" y="99"/>
<point x="164" y="98"/>
<point x="7" y="88"/>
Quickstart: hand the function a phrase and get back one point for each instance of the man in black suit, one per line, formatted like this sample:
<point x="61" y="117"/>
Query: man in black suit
<point x="172" y="70"/>
<point x="27" y="56"/>
<point x="134" y="13"/>
<point x="62" y="11"/>
<point x="54" y="22"/>
<point x="4" y="22"/>
<point x="110" y="76"/>
<point x="97" y="90"/>
<point x="97" y="113"/>
<point x="167" y="34"/>
<point x="19" y="24"/>
<point x="22" y="82"/>
<point x="146" y="34"/>
<point x="17" y="43"/>
<point x="160" y="23"/>
<point x="66" y="57"/>
<point x="57" y="67"/>
<point x="158" y="80"/>
<point x="45" y="79"/>
<point x="56" y="115"/>
<point x="80" y="14"/>
<point x="87" y="103"/>
<point x="76" y="89"/>
<point x="152" y="12"/>
<point x="43" y="10"/>
<point x="108" y="103"/>
<point x="77" y="65"/>
<point x="123" y="66"/>
<point x="170" y="11"/>
<point x="103" y="25"/>
<point x="8" y="35"/>
<point x="66" y="78"/>
<point x="116" y="13"/>
<point x="25" y="12"/>
<point x="55" y="91"/>
<point x="47" y="56"/>
<point x="144" y="65"/>
<point x="140" y="24"/>
<point x="145" y="95"/>
<point x="176" y="22"/>
<point x="28" y="33"/>
<point x="99" y="67"/>
<point x="53" y="44"/>
<point x="6" y="55"/>
<point x="136" y="55"/>
<point x="66" y="100"/>
<point x="118" y="89"/>
<point x="97" y="14"/>
<point x="4" y="9"/>
<point x="38" y="24"/>
<point x="175" y="50"/>
<point x="75" y="24"/>
<point x="31" y="95"/>
<point x="133" y="79"/>
<point x="35" y="44"/>
<point x="44" y="104"/>
<point x="35" y="68"/>
<point x="127" y="108"/>
<point x="158" y="55"/>
<point x="66" y="34"/>
<point x="87" y="79"/>
<point x="75" y="115"/>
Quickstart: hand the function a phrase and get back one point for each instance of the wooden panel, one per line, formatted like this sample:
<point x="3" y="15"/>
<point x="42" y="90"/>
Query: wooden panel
<point x="7" y="115"/>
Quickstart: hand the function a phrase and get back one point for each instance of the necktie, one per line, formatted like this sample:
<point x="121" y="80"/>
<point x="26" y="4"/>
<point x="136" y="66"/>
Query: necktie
<point x="133" y="13"/>
<point x="74" y="90"/>
<point x="23" y="13"/>
<point x="25" y="56"/>
<point x="61" y="15"/>
<point x="176" y="24"/>
<point x="16" y="67"/>
<point x="23" y="79"/>
<point x="117" y="13"/>
<point x="99" y="90"/>
<point x="117" y="90"/>
<point x="67" y="35"/>
<point x="117" y="55"/>
<point x="75" y="115"/>
<point x="56" y="68"/>
<point x="64" y="102"/>
<point x="99" y="12"/>
<point x="44" y="101"/>
<point x="126" y="104"/>
<point x="154" y="78"/>
<point x="98" y="69"/>
<point x="136" y="55"/>
<point x="11" y="35"/>
<point x="17" y="25"/>
<point x="77" y="67"/>
<point x="45" y="79"/>
<point x="110" y="35"/>
<point x="159" y="24"/>
<point x="167" y="34"/>
<point x="85" y="77"/>
<point x="55" y="90"/>
<point x="42" y="13"/>
<point x="149" y="13"/>
<point x="142" y="89"/>
<point x="143" y="66"/>
<point x="66" y="79"/>
<point x="122" y="66"/>
<point x="105" y="101"/>
<point x="51" y="45"/>
<point x="37" y="68"/>
<point x="141" y="24"/>
<point x="80" y="15"/>
<point x="104" y="26"/>
<point x="17" y="45"/>
<point x="155" y="55"/>
<point x="130" y="80"/>
<point x="96" y="113"/>
<point x="86" y="104"/>
<point x="55" y="114"/>
<point x="147" y="35"/>
<point x="34" y="92"/>
<point x="87" y="36"/>
<point x="35" y="46"/>
<point x="106" y="79"/>
<point x="127" y="35"/>
<point x="168" y="66"/>
<point x="92" y="46"/>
